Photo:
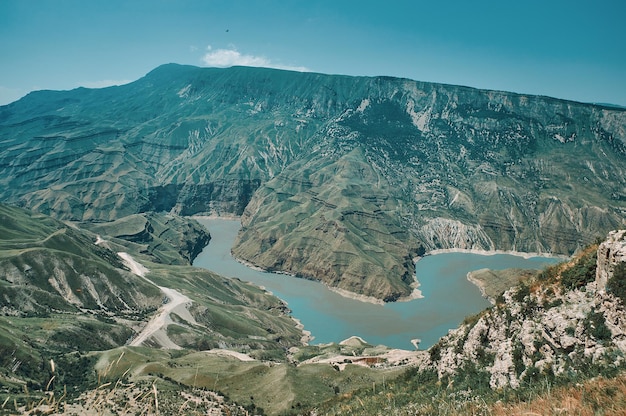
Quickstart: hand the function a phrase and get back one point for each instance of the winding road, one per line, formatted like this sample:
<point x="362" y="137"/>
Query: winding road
<point x="175" y="301"/>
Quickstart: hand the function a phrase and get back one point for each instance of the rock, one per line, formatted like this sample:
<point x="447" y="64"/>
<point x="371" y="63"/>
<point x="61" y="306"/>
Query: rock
<point x="551" y="330"/>
<point x="610" y="252"/>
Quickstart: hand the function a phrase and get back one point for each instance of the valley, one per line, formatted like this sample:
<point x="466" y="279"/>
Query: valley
<point x="116" y="293"/>
<point x="447" y="295"/>
<point x="338" y="179"/>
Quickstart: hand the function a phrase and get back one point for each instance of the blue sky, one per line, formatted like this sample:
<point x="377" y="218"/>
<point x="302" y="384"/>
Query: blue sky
<point x="567" y="49"/>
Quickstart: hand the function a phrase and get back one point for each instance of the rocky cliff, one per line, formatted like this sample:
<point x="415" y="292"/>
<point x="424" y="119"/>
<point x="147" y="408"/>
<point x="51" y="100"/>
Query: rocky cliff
<point x="610" y="253"/>
<point x="558" y="325"/>
<point x="340" y="179"/>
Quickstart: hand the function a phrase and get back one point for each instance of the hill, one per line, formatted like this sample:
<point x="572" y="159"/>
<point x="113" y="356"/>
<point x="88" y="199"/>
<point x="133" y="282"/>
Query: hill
<point x="64" y="295"/>
<point x="339" y="179"/>
<point x="554" y="344"/>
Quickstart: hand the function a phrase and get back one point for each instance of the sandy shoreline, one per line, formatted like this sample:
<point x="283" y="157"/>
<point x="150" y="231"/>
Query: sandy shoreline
<point x="479" y="284"/>
<point x="216" y="217"/>
<point x="491" y="253"/>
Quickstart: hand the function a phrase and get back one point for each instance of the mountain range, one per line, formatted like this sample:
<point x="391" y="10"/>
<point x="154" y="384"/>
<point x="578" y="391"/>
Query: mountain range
<point x="339" y="179"/>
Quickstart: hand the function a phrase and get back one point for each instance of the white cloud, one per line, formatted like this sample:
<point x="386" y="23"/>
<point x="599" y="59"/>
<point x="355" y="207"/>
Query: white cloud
<point x="223" y="58"/>
<point x="104" y="83"/>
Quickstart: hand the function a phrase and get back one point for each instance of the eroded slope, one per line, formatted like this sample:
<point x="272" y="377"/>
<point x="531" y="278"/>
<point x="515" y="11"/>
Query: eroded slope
<point x="448" y="166"/>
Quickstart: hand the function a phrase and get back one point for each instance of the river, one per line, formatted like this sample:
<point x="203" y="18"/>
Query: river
<point x="448" y="295"/>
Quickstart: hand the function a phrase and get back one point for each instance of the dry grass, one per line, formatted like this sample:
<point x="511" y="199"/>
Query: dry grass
<point x="599" y="396"/>
<point x="120" y="397"/>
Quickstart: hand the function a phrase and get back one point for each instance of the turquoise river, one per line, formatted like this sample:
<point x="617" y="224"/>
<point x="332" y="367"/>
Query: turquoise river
<point x="448" y="295"/>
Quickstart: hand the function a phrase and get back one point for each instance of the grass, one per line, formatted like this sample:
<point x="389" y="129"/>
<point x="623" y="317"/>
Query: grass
<point x="422" y="393"/>
<point x="115" y="395"/>
<point x="276" y="387"/>
<point x="598" y="396"/>
<point x="496" y="282"/>
<point x="155" y="237"/>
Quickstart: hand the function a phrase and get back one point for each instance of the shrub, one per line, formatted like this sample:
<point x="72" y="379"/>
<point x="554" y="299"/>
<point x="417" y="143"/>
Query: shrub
<point x="523" y="290"/>
<point x="435" y="352"/>
<point x="617" y="283"/>
<point x="596" y="326"/>
<point x="549" y="274"/>
<point x="581" y="273"/>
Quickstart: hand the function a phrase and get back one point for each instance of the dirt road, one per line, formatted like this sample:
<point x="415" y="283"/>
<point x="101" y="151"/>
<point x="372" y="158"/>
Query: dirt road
<point x="175" y="301"/>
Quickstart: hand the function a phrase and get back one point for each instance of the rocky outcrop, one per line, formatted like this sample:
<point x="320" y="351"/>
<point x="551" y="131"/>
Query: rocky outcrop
<point x="540" y="329"/>
<point x="610" y="252"/>
<point x="165" y="238"/>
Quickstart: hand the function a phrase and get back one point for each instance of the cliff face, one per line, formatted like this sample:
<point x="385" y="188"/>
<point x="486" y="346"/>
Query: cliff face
<point x="611" y="252"/>
<point x="542" y="329"/>
<point x="341" y="179"/>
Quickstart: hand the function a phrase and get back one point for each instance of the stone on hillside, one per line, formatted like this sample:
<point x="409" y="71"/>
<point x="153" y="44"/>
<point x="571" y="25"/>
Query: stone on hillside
<point x="610" y="252"/>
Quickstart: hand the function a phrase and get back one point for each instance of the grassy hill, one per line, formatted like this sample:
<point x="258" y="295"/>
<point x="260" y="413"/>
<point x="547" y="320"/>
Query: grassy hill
<point x="63" y="297"/>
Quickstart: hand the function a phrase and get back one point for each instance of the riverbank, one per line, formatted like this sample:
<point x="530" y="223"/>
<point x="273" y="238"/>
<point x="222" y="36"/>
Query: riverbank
<point x="332" y="315"/>
<point x="480" y="284"/>
<point x="492" y="283"/>
<point x="481" y="252"/>
<point x="216" y="217"/>
<point x="415" y="293"/>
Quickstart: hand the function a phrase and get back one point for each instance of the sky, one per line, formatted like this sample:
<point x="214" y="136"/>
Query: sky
<point x="574" y="49"/>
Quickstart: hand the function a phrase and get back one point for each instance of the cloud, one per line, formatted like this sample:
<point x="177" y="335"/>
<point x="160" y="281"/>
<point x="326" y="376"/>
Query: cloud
<point x="104" y="83"/>
<point x="223" y="58"/>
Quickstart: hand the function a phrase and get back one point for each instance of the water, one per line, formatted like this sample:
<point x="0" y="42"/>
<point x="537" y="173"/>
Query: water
<point x="448" y="296"/>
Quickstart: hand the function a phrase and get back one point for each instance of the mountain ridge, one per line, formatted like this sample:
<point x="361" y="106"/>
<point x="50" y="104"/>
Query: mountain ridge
<point x="395" y="167"/>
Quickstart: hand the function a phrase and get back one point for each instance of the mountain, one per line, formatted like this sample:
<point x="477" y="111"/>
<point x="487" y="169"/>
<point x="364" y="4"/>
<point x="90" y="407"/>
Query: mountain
<point x="339" y="179"/>
<point x="66" y="292"/>
<point x="90" y="323"/>
<point x="554" y="341"/>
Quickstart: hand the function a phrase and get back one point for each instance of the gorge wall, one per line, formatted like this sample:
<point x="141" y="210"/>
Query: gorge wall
<point x="340" y="179"/>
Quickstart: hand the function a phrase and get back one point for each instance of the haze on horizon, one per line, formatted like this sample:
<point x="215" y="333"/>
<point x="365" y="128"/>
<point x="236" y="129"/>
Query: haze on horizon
<point x="565" y="49"/>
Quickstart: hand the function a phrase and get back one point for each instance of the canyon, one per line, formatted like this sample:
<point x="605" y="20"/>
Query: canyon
<point x="339" y="179"/>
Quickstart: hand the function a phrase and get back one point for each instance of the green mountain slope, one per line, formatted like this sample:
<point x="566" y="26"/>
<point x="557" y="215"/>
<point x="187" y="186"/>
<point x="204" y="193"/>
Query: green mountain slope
<point x="388" y="167"/>
<point x="47" y="266"/>
<point x="155" y="237"/>
<point x="61" y="293"/>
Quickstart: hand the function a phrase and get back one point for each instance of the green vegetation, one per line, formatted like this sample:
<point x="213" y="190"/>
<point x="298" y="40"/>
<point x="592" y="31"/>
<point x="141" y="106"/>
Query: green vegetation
<point x="596" y="326"/>
<point x="345" y="184"/>
<point x="581" y="273"/>
<point x="155" y="237"/>
<point x="494" y="283"/>
<point x="275" y="387"/>
<point x="617" y="283"/>
<point x="69" y="297"/>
